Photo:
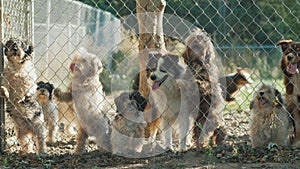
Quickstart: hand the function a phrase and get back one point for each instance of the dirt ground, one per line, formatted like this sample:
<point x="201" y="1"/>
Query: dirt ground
<point x="221" y="157"/>
<point x="236" y="152"/>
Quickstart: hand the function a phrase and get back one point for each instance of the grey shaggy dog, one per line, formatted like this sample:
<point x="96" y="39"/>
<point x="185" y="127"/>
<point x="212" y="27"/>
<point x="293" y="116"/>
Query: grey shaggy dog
<point x="128" y="125"/>
<point x="200" y="56"/>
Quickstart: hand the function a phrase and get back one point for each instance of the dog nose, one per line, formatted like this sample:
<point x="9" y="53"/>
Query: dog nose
<point x="289" y="58"/>
<point x="15" y="48"/>
<point x="261" y="93"/>
<point x="153" y="77"/>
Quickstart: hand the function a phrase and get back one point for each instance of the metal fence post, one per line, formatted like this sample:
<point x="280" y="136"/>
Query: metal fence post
<point x="2" y="111"/>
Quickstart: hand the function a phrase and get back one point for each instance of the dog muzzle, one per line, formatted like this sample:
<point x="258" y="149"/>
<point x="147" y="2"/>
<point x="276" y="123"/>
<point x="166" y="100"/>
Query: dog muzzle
<point x="292" y="68"/>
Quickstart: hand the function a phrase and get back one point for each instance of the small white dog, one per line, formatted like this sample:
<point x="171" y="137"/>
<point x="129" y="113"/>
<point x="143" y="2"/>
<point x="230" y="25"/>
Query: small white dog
<point x="44" y="97"/>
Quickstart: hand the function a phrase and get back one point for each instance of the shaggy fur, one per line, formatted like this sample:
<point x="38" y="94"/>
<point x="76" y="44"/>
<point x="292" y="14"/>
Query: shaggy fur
<point x="231" y="84"/>
<point x="172" y="98"/>
<point x="19" y="80"/>
<point x="269" y="122"/>
<point x="44" y="98"/>
<point x="128" y="126"/>
<point x="200" y="56"/>
<point x="290" y="67"/>
<point x="87" y="97"/>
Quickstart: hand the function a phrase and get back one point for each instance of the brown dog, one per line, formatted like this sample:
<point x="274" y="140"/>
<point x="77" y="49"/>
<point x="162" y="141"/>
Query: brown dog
<point x="231" y="84"/>
<point x="200" y="58"/>
<point x="290" y="67"/>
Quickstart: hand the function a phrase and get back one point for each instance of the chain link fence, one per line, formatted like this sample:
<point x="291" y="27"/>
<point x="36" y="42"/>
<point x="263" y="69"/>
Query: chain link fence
<point x="244" y="35"/>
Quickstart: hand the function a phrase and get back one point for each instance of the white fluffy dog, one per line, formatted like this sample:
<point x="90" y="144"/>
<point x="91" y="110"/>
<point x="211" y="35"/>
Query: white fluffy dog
<point x="88" y="98"/>
<point x="173" y="98"/>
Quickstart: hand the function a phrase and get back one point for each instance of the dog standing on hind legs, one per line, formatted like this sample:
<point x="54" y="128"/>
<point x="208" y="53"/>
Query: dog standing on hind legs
<point x="86" y="94"/>
<point x="21" y="105"/>
<point x="44" y="98"/>
<point x="290" y="63"/>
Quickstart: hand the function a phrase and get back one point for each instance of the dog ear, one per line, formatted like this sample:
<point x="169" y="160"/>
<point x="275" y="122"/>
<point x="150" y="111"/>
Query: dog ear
<point x="50" y="87"/>
<point x="97" y="64"/>
<point x="284" y="44"/>
<point x="6" y="44"/>
<point x="141" y="101"/>
<point x="239" y="69"/>
<point x="279" y="98"/>
<point x="136" y="82"/>
<point x="40" y="83"/>
<point x="251" y="105"/>
<point x="174" y="58"/>
<point x="152" y="60"/>
<point x="29" y="50"/>
<point x="155" y="55"/>
<point x="5" y="51"/>
<point x="119" y="102"/>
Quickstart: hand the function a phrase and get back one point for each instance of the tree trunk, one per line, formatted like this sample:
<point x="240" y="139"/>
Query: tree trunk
<point x="150" y="20"/>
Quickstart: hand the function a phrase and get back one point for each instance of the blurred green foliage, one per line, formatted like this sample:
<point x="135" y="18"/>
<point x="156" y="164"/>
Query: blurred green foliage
<point x="231" y="22"/>
<point x="248" y="30"/>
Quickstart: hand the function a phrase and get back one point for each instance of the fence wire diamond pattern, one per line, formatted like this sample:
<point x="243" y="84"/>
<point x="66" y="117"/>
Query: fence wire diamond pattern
<point x="244" y="34"/>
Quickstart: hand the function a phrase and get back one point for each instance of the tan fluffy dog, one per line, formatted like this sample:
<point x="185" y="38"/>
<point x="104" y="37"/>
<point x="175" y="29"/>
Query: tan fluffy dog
<point x="269" y="122"/>
<point x="19" y="80"/>
<point x="87" y="97"/>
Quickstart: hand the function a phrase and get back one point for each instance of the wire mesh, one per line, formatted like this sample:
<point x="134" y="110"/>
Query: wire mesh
<point x="244" y="35"/>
